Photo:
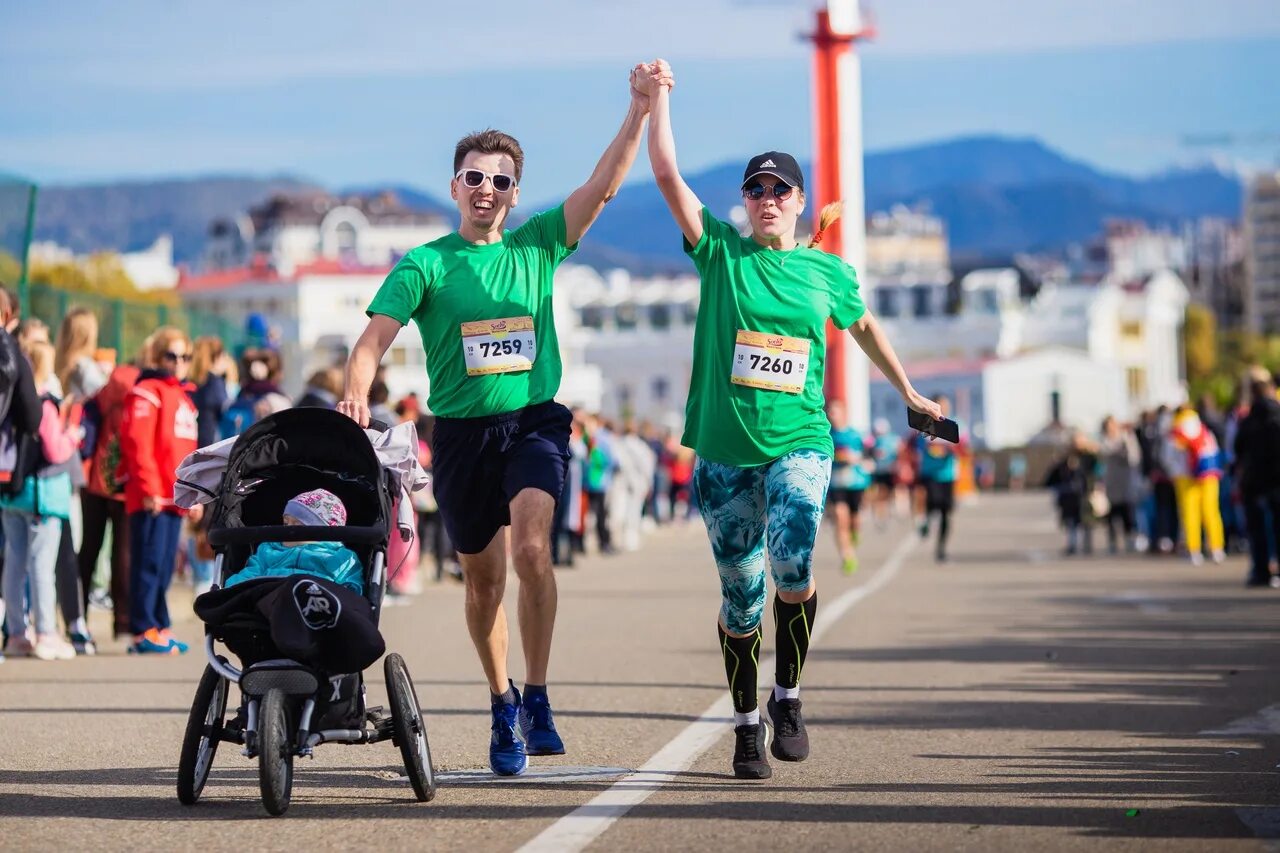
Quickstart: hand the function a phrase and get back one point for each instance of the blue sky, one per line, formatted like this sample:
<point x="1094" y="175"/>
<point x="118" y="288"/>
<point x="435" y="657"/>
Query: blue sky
<point x="349" y="93"/>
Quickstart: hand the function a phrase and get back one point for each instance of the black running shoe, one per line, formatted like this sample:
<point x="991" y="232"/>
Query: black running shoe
<point x="749" y="761"/>
<point x="790" y="740"/>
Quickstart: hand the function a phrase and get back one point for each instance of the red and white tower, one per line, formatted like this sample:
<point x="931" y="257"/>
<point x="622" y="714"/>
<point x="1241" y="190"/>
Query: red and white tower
<point x="837" y="94"/>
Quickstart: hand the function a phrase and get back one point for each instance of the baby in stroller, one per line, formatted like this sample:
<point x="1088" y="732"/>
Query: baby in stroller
<point x="330" y="560"/>
<point x="323" y="621"/>
<point x="300" y="527"/>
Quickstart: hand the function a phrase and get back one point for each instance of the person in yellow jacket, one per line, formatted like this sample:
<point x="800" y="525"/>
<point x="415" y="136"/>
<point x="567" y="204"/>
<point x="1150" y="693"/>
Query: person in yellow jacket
<point x="1197" y="470"/>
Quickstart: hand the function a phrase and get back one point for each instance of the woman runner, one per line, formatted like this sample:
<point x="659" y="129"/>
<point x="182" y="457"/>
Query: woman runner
<point x="755" y="416"/>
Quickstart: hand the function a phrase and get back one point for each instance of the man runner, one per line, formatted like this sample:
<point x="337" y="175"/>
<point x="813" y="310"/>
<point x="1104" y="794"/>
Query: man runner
<point x="481" y="298"/>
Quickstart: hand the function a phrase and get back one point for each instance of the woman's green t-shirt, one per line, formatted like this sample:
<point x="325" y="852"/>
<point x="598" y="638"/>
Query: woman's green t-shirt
<point x="753" y="299"/>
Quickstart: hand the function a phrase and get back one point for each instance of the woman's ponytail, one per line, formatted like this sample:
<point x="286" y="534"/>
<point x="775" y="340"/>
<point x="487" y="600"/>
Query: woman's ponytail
<point x="829" y="214"/>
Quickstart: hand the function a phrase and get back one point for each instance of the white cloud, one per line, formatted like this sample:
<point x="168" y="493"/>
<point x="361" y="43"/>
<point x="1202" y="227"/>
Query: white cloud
<point x="163" y="45"/>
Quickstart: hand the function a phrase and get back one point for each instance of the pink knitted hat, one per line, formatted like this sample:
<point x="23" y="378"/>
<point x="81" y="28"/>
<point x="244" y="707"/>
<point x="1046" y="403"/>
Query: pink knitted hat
<point x="317" y="508"/>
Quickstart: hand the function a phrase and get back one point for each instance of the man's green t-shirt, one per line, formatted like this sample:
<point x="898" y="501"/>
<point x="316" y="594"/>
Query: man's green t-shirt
<point x="747" y="288"/>
<point x="449" y="282"/>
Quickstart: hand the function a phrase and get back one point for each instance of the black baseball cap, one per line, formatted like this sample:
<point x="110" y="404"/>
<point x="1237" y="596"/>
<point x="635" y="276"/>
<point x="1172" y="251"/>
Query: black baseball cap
<point x="775" y="163"/>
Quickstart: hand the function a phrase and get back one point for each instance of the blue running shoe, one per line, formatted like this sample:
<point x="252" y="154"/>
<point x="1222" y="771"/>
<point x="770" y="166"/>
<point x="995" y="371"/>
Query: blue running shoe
<point x="176" y="645"/>
<point x="151" y="643"/>
<point x="538" y="727"/>
<point x="506" y="750"/>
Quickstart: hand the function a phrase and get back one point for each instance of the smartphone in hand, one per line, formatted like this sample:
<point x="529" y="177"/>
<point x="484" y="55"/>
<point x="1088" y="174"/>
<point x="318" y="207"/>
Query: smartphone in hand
<point x="945" y="429"/>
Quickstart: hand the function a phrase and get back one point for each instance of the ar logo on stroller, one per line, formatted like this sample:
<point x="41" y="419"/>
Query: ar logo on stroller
<point x="319" y="608"/>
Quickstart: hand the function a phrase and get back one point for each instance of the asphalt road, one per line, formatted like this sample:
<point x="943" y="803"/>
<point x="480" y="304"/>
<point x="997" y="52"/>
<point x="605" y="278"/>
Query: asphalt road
<point x="1007" y="700"/>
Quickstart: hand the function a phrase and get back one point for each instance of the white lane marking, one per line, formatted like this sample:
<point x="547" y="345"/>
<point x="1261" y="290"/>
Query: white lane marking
<point x="576" y="830"/>
<point x="1265" y="722"/>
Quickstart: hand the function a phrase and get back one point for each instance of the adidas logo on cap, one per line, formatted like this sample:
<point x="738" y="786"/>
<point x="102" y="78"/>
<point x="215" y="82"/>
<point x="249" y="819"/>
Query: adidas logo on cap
<point x="777" y="163"/>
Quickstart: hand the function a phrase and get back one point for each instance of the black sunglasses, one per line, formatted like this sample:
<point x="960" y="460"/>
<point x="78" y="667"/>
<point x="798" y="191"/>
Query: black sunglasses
<point x="474" y="178"/>
<point x="781" y="191"/>
<point x="173" y="356"/>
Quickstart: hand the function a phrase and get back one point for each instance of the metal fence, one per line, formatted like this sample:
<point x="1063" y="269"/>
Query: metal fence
<point x="124" y="324"/>
<point x="17" y="222"/>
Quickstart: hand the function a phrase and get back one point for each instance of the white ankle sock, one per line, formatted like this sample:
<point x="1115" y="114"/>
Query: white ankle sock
<point x="751" y="718"/>
<point x="780" y="692"/>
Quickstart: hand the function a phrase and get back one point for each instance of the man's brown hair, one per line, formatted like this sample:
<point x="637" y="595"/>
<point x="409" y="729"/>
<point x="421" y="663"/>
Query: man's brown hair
<point x="489" y="141"/>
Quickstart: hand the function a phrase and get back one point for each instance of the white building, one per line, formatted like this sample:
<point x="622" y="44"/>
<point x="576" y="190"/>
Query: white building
<point x="902" y="240"/>
<point x="1077" y="352"/>
<point x="638" y="333"/>
<point x="1262" y="254"/>
<point x="152" y="268"/>
<point x="1128" y="249"/>
<point x="1080" y="351"/>
<point x="319" y="312"/>
<point x="289" y="232"/>
<point x="1215" y="271"/>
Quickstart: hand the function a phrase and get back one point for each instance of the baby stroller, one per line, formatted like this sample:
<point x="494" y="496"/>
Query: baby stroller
<point x="288" y="708"/>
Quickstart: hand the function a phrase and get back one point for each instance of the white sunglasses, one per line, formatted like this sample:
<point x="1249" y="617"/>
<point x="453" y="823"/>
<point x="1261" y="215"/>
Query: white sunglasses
<point x="474" y="178"/>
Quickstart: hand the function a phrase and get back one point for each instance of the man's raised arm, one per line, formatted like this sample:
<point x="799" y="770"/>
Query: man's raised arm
<point x="585" y="203"/>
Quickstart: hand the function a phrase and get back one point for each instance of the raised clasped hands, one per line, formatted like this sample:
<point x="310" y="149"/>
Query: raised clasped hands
<point x="647" y="78"/>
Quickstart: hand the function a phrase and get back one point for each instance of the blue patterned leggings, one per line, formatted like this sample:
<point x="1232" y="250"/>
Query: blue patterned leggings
<point x="778" y="504"/>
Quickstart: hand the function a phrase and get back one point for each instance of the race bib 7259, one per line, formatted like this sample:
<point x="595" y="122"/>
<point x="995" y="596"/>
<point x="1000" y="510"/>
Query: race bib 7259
<point x="499" y="346"/>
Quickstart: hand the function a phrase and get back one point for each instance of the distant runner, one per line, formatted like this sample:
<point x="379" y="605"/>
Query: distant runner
<point x="850" y="478"/>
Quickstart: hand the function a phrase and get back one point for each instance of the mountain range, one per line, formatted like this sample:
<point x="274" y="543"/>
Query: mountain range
<point x="997" y="196"/>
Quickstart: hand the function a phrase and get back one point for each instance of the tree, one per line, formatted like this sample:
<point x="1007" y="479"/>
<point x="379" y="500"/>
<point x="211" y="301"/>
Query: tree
<point x="99" y="282"/>
<point x="1200" y="337"/>
<point x="101" y="274"/>
<point x="10" y="269"/>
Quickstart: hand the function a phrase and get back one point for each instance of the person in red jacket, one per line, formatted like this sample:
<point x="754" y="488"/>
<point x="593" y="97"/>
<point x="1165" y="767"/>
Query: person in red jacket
<point x="158" y="432"/>
<point x="102" y="498"/>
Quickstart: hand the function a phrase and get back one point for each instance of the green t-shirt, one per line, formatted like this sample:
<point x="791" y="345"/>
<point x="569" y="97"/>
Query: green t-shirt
<point x="448" y="282"/>
<point x="748" y="288"/>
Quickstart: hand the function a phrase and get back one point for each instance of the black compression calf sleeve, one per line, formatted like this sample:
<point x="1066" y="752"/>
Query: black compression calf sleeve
<point x="742" y="666"/>
<point x="795" y="624"/>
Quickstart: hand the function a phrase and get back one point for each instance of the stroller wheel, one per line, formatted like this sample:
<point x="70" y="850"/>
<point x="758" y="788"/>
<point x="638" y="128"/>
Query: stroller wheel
<point x="410" y="728"/>
<point x="204" y="728"/>
<point x="275" y="755"/>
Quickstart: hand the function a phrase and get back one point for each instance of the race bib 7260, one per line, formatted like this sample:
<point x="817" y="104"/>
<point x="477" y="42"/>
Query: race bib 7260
<point x="771" y="362"/>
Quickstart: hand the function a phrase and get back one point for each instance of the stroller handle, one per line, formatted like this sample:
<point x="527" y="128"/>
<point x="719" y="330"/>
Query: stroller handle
<point x="223" y="536"/>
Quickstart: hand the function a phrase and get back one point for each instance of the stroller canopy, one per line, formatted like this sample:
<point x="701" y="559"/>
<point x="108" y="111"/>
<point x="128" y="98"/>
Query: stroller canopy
<point x="297" y="450"/>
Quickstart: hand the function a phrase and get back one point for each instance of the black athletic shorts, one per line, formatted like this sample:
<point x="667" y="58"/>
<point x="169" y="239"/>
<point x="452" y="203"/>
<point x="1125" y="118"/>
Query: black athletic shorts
<point x="851" y="498"/>
<point x="883" y="478"/>
<point x="939" y="496"/>
<point x="480" y="464"/>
